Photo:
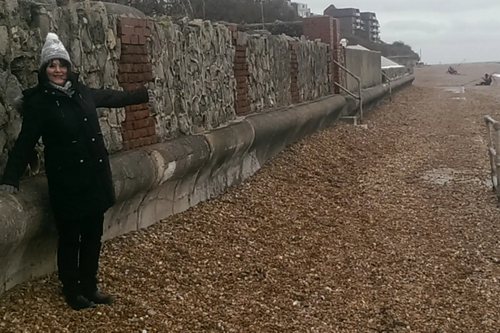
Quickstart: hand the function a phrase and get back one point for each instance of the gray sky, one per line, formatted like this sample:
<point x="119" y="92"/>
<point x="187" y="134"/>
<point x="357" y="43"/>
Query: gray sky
<point x="446" y="31"/>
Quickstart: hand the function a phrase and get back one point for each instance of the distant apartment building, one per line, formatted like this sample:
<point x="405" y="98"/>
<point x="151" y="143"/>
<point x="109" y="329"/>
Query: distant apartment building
<point x="371" y="27"/>
<point x="349" y="18"/>
<point x="301" y="9"/>
<point x="353" y="22"/>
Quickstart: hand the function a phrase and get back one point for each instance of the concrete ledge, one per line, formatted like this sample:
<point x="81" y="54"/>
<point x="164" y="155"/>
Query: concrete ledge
<point x="276" y="130"/>
<point x="157" y="181"/>
<point x="374" y="94"/>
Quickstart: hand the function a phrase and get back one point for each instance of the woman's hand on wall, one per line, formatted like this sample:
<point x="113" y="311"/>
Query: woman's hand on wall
<point x="9" y="189"/>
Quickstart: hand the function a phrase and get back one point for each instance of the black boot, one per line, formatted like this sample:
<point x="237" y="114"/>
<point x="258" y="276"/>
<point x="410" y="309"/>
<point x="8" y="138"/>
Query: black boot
<point x="99" y="298"/>
<point x="79" y="302"/>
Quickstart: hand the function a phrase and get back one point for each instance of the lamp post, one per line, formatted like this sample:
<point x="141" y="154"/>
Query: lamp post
<point x="262" y="12"/>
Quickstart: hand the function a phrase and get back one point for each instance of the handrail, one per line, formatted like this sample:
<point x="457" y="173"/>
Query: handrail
<point x="359" y="97"/>
<point x="389" y="80"/>
<point x="492" y="121"/>
<point x="493" y="146"/>
<point x="346" y="90"/>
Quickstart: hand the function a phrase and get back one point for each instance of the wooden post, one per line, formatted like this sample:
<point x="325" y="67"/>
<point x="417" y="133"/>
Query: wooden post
<point x="492" y="156"/>
<point x="496" y="126"/>
<point x="493" y="146"/>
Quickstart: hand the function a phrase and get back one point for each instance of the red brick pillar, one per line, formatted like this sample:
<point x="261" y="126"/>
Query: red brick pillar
<point x="327" y="29"/>
<point x="294" y="72"/>
<point x="135" y="70"/>
<point x="240" y="67"/>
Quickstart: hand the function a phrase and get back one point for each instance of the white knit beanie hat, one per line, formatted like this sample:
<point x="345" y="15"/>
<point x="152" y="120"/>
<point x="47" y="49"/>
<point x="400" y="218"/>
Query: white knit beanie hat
<point x="53" y="49"/>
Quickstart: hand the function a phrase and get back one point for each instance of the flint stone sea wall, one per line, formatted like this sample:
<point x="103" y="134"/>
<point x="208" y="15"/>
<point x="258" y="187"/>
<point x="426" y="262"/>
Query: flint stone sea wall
<point x="191" y="64"/>
<point x="313" y="74"/>
<point x="194" y="78"/>
<point x="269" y="72"/>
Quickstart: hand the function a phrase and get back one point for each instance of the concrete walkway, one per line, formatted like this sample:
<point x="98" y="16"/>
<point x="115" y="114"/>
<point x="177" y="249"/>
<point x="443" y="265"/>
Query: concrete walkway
<point x="385" y="229"/>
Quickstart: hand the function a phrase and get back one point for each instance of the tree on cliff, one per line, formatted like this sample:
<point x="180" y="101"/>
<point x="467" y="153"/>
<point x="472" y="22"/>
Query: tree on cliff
<point x="398" y="48"/>
<point x="235" y="11"/>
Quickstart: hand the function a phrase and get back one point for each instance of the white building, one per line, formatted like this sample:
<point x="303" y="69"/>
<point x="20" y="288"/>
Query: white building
<point x="301" y="9"/>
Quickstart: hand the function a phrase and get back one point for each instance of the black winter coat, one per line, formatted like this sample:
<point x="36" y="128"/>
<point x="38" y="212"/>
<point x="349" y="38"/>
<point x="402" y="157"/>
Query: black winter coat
<point x="76" y="160"/>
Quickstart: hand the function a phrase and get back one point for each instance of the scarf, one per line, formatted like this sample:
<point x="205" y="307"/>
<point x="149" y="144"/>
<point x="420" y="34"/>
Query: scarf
<point x="67" y="88"/>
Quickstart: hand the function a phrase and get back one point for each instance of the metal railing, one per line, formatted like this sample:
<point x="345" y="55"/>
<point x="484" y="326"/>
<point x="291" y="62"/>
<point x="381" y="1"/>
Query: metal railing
<point x="359" y="96"/>
<point x="493" y="146"/>
<point x="389" y="80"/>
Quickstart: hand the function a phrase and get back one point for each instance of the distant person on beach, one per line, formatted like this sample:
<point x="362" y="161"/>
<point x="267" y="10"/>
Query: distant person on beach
<point x="486" y="80"/>
<point x="452" y="71"/>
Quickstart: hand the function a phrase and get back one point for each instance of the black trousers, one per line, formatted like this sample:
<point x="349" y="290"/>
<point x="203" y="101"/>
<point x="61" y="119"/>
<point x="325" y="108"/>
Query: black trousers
<point x="78" y="250"/>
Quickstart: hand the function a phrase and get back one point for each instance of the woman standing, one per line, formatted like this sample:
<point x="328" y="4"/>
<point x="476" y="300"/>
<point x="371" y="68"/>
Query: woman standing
<point x="62" y="111"/>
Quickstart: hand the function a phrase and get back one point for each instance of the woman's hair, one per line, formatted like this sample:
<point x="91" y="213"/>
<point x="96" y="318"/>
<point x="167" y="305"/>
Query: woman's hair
<point x="42" y="74"/>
